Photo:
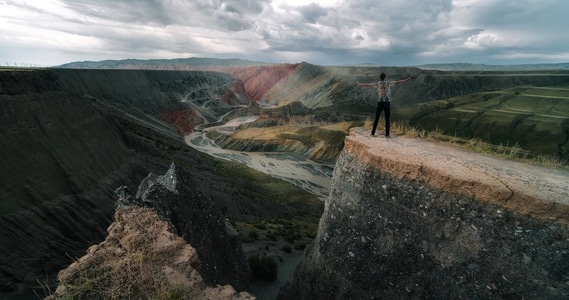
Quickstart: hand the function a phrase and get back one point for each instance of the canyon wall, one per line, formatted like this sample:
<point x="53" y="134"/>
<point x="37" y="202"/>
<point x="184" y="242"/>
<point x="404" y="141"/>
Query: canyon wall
<point x="182" y="98"/>
<point x="195" y="217"/>
<point x="69" y="138"/>
<point x="61" y="157"/>
<point x="321" y="86"/>
<point x="411" y="219"/>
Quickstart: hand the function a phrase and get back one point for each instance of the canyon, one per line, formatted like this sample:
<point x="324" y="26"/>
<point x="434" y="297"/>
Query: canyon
<point x="70" y="137"/>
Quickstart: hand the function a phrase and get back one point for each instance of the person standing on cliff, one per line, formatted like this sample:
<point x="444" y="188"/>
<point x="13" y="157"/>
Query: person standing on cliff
<point x="384" y="91"/>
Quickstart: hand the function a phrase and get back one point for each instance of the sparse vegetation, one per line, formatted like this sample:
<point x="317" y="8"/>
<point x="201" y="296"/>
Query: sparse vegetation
<point x="253" y="234"/>
<point x="531" y="119"/>
<point x="279" y="236"/>
<point x="514" y="152"/>
<point x="130" y="265"/>
<point x="289" y="230"/>
<point x="300" y="246"/>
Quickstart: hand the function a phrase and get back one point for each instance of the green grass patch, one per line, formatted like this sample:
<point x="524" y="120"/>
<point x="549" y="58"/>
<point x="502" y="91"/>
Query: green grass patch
<point x="535" y="119"/>
<point x="477" y="145"/>
<point x="278" y="229"/>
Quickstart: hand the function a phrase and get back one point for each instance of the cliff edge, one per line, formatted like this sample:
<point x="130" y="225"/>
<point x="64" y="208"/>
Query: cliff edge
<point x="412" y="219"/>
<point x="526" y="189"/>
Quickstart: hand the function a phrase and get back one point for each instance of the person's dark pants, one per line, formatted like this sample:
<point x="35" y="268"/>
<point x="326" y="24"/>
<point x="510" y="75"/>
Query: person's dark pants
<point x="382" y="105"/>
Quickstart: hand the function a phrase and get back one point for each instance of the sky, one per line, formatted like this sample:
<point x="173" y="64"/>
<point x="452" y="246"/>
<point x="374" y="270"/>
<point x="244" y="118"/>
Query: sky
<point x="323" y="32"/>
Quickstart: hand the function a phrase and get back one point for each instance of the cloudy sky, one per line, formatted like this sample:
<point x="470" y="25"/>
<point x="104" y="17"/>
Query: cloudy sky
<point x="325" y="32"/>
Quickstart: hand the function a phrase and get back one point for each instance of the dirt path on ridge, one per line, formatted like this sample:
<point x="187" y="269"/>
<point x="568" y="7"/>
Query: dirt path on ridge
<point x="525" y="188"/>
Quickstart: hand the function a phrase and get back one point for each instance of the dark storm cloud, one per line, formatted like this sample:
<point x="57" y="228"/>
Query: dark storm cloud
<point x="311" y="12"/>
<point x="322" y="31"/>
<point x="137" y="12"/>
<point x="232" y="15"/>
<point x="245" y="7"/>
<point x="236" y="15"/>
<point x="307" y="27"/>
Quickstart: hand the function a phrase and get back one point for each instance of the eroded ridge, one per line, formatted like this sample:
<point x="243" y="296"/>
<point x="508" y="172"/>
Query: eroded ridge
<point x="523" y="188"/>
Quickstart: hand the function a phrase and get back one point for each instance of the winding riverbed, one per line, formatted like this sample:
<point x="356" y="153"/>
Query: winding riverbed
<point x="308" y="175"/>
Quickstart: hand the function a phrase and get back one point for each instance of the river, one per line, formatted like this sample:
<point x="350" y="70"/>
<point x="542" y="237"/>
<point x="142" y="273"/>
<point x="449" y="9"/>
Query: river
<point x="306" y="174"/>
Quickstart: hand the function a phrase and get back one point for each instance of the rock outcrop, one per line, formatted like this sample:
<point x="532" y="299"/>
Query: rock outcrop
<point x="410" y="219"/>
<point x="168" y="240"/>
<point x="176" y="197"/>
<point x="140" y="259"/>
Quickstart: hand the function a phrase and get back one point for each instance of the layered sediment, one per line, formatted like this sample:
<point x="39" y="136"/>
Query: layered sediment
<point x="61" y="158"/>
<point x="411" y="219"/>
<point x="70" y="137"/>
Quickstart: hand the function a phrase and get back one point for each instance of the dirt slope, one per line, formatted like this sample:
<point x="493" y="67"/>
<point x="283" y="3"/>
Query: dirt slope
<point x="527" y="189"/>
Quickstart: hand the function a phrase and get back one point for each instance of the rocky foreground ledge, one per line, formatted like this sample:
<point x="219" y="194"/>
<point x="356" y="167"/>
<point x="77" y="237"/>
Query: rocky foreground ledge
<point x="166" y="242"/>
<point x="140" y="259"/>
<point x="412" y="219"/>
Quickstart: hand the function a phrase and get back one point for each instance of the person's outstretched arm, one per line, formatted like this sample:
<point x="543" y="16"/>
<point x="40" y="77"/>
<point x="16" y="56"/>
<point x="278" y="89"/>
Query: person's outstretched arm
<point x="403" y="81"/>
<point x="365" y="84"/>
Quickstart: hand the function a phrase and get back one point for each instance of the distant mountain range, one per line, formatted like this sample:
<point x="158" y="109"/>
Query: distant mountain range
<point x="483" y="67"/>
<point x="161" y="63"/>
<point x="199" y="62"/>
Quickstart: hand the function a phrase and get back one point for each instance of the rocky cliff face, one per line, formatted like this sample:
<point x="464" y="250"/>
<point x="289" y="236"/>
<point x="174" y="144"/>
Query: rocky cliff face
<point x="148" y="254"/>
<point x="61" y="156"/>
<point x="407" y="219"/>
<point x="140" y="258"/>
<point x="258" y="80"/>
<point x="176" y="197"/>
<point x="68" y="138"/>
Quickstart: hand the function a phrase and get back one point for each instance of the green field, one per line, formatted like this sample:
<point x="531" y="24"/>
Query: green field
<point x="535" y="118"/>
